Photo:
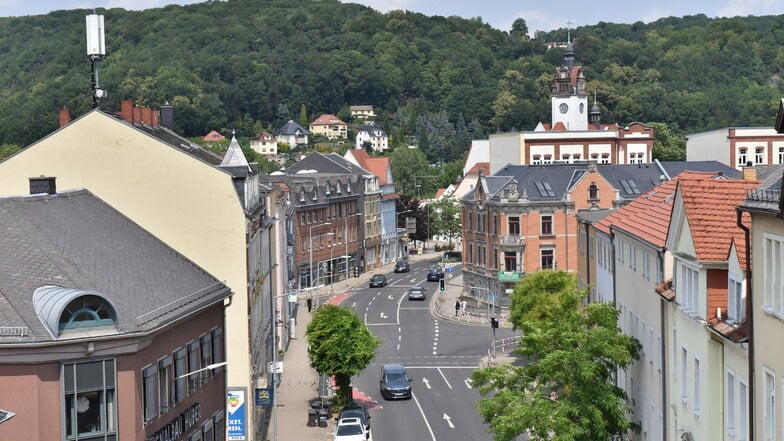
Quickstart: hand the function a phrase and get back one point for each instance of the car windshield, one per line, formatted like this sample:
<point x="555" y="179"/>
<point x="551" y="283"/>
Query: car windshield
<point x="396" y="377"/>
<point x="349" y="429"/>
<point x="353" y="413"/>
<point x="378" y="277"/>
<point x="416" y="289"/>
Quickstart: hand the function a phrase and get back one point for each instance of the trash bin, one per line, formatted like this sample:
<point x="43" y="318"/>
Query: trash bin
<point x="312" y="417"/>
<point x="323" y="417"/>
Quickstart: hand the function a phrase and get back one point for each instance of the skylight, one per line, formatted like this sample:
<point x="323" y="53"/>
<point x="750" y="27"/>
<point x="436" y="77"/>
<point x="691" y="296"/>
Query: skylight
<point x="629" y="186"/>
<point x="545" y="190"/>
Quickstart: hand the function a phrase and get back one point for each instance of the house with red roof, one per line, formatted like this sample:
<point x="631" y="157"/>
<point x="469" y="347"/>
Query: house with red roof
<point x="264" y="144"/>
<point x="330" y="126"/>
<point x="213" y="136"/>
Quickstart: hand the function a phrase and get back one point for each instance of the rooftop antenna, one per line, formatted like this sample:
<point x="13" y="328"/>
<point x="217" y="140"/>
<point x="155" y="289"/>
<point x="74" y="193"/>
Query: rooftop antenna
<point x="96" y="51"/>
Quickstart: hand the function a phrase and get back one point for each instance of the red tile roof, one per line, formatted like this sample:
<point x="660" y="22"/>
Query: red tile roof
<point x="439" y="192"/>
<point x="709" y="206"/>
<point x="379" y="167"/>
<point x="214" y="136"/>
<point x="327" y="120"/>
<point x="484" y="166"/>
<point x="648" y="216"/>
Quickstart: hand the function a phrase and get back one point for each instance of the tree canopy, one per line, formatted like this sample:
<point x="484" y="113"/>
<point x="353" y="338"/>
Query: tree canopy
<point x="567" y="393"/>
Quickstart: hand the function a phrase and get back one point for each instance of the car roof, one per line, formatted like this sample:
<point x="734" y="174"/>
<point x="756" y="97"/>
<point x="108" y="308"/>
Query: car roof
<point x="416" y="288"/>
<point x="351" y="420"/>
<point x="394" y="367"/>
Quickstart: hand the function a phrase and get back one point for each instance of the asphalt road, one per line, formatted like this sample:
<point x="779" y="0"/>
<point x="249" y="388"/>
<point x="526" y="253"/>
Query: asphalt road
<point x="438" y="354"/>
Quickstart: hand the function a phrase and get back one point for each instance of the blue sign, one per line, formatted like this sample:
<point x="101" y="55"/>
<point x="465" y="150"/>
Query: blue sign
<point x="236" y="419"/>
<point x="264" y="396"/>
<point x="449" y="270"/>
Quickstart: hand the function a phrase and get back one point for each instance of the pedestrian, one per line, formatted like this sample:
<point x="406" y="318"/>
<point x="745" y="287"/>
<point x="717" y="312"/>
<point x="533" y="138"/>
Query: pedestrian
<point x="464" y="306"/>
<point x="457" y="307"/>
<point x="310" y="304"/>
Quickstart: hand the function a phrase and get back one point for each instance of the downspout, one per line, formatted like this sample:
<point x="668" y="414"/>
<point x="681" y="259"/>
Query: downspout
<point x="663" y="355"/>
<point x="749" y="318"/>
<point x="587" y="257"/>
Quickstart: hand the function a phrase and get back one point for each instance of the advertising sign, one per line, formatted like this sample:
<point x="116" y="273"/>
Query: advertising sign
<point x="236" y="427"/>
<point x="264" y="396"/>
<point x="508" y="276"/>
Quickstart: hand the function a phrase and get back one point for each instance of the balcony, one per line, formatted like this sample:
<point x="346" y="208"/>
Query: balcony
<point x="510" y="240"/>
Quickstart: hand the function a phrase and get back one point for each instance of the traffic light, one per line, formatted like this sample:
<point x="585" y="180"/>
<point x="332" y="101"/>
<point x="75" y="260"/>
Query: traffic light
<point x="356" y="271"/>
<point x="441" y="285"/>
<point x="493" y="322"/>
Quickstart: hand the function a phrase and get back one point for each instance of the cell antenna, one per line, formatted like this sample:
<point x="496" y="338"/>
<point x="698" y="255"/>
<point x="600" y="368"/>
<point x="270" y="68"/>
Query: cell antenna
<point x="96" y="51"/>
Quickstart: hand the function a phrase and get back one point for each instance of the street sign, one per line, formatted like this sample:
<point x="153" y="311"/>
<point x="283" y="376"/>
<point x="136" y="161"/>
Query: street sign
<point x="449" y="269"/>
<point x="293" y="297"/>
<point x="275" y="367"/>
<point x="411" y="225"/>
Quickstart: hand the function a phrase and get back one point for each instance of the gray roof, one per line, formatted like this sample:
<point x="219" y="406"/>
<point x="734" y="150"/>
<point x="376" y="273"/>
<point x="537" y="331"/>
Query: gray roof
<point x="292" y="128"/>
<point x="72" y="244"/>
<point x="371" y="129"/>
<point x="767" y="196"/>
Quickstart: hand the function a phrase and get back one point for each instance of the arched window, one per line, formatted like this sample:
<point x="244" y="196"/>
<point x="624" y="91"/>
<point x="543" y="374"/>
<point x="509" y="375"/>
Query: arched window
<point x="86" y="312"/>
<point x="593" y="192"/>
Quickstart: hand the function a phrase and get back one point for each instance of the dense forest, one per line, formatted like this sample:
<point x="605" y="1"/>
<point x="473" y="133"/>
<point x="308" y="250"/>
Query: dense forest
<point x="249" y="65"/>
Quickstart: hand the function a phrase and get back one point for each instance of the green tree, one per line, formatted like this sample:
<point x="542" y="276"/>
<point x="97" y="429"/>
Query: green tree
<point x="7" y="150"/>
<point x="445" y="218"/>
<point x="667" y="146"/>
<point x="303" y="116"/>
<point x="408" y="166"/>
<point x="340" y="345"/>
<point x="567" y="393"/>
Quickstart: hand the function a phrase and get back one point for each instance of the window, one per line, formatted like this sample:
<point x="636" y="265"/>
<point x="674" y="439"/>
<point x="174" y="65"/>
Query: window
<point x="773" y="274"/>
<point x="548" y="159"/>
<point x="759" y="155"/>
<point x="696" y="386"/>
<point x="536" y="160"/>
<point x="547" y="224"/>
<point x="180" y="368"/>
<point x="687" y="288"/>
<point x="769" y="409"/>
<point x="566" y="158"/>
<point x="86" y="311"/>
<point x="206" y="356"/>
<point x="217" y="347"/>
<point x="781" y="155"/>
<point x="193" y="365"/>
<point x="149" y="393"/>
<point x="165" y="383"/>
<point x="684" y="372"/>
<point x="742" y="432"/>
<point x="510" y="261"/>
<point x="593" y="192"/>
<point x="742" y="156"/>
<point x="605" y="158"/>
<point x="548" y="258"/>
<point x="730" y="404"/>
<point x="514" y="226"/>
<point x="90" y="404"/>
<point x="736" y="305"/>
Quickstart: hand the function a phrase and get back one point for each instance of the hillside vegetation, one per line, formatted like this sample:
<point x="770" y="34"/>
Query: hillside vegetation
<point x="252" y="64"/>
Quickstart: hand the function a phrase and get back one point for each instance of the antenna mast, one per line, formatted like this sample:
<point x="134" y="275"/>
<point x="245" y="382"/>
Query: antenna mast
<point x="96" y="51"/>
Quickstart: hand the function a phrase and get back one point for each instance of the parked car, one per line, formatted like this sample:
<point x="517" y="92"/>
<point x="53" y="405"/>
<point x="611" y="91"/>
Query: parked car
<point x="378" y="281"/>
<point x="351" y="429"/>
<point x="434" y="274"/>
<point x="354" y="410"/>
<point x="395" y="382"/>
<point x="402" y="266"/>
<point x="416" y="293"/>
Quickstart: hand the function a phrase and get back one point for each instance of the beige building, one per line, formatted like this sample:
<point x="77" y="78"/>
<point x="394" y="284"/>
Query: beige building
<point x="205" y="207"/>
<point x="330" y="126"/>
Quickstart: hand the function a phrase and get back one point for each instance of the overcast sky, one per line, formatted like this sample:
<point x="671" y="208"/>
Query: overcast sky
<point x="538" y="14"/>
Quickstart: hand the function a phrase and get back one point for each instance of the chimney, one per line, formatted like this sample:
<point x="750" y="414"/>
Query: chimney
<point x="155" y="118"/>
<point x="147" y="115"/>
<point x="167" y="116"/>
<point x="65" y="116"/>
<point x="126" y="110"/>
<point x="137" y="114"/>
<point x="749" y="173"/>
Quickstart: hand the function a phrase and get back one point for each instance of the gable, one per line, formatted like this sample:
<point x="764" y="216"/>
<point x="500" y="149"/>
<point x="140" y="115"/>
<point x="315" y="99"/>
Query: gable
<point x="679" y="239"/>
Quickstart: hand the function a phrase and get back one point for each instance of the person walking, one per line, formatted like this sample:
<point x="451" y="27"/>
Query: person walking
<point x="457" y="307"/>
<point x="310" y="304"/>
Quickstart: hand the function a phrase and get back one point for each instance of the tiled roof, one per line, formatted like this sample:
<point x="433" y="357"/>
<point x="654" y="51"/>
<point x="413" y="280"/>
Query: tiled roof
<point x="484" y="166"/>
<point x="709" y="207"/>
<point x="214" y="136"/>
<point x="327" y="120"/>
<point x="439" y="192"/>
<point x="379" y="167"/>
<point x="648" y="216"/>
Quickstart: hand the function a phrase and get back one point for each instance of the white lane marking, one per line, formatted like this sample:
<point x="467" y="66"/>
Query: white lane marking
<point x="469" y="383"/>
<point x="444" y="377"/>
<point x="427" y="383"/>
<point x="422" y="412"/>
<point x="449" y="421"/>
<point x="383" y="315"/>
<point x="391" y="297"/>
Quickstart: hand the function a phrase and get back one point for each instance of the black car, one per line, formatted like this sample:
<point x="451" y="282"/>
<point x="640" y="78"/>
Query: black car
<point x="378" y="281"/>
<point x="416" y="293"/>
<point x="354" y="410"/>
<point x="402" y="266"/>
<point x="434" y="274"/>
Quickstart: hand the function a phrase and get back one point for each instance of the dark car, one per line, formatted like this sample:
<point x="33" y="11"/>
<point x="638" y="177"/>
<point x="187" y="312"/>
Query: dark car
<point x="354" y="410"/>
<point x="395" y="382"/>
<point x="378" y="280"/>
<point x="434" y="274"/>
<point x="416" y="293"/>
<point x="402" y="266"/>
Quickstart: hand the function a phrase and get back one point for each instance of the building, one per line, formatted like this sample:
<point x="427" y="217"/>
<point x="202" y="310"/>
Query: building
<point x="362" y="112"/>
<point x="737" y="146"/>
<point x="213" y="136"/>
<point x="206" y="207"/>
<point x="373" y="136"/>
<point x="293" y="134"/>
<point x="264" y="144"/>
<point x="329" y="126"/>
<point x="575" y="133"/>
<point x="88" y="348"/>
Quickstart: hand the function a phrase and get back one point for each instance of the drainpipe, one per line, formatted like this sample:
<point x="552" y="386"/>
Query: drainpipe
<point x="663" y="348"/>
<point x="749" y="318"/>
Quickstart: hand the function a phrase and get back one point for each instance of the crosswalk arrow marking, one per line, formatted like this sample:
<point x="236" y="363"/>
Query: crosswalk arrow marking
<point x="449" y="421"/>
<point x="427" y="383"/>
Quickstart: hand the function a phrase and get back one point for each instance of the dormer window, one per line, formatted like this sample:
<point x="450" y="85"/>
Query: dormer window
<point x="348" y="188"/>
<point x="315" y="194"/>
<point x="337" y="188"/>
<point x="326" y="189"/>
<point x="86" y="312"/>
<point x="302" y="196"/>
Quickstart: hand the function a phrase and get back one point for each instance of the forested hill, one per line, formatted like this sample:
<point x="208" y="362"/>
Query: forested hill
<point x="248" y="64"/>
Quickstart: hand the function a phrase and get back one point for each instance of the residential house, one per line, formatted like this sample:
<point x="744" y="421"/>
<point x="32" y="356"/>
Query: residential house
<point x="706" y="355"/>
<point x="293" y="134"/>
<point x="101" y="323"/>
<point x="362" y="112"/>
<point x="213" y="136"/>
<point x="575" y="132"/>
<point x="391" y="235"/>
<point x="372" y="135"/>
<point x="594" y="255"/>
<point x="329" y="126"/>
<point x="264" y="144"/>
<point x="206" y="207"/>
<point x="737" y="146"/>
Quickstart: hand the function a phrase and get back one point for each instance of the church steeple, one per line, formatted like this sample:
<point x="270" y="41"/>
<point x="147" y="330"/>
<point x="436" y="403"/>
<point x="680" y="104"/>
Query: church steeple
<point x="595" y="115"/>
<point x="569" y="52"/>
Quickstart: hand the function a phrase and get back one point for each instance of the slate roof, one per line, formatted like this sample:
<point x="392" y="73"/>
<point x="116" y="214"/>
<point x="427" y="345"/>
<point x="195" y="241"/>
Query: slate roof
<point x="767" y="197"/>
<point x="292" y="128"/>
<point x="74" y="240"/>
<point x="648" y="216"/>
<point x="372" y="130"/>
<point x="709" y="207"/>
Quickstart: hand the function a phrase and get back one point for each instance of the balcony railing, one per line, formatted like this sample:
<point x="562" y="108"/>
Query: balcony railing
<point x="510" y="240"/>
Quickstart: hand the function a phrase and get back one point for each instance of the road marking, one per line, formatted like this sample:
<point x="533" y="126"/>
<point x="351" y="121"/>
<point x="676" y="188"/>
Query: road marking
<point x="427" y="383"/>
<point x="422" y="412"/>
<point x="469" y="383"/>
<point x="383" y="315"/>
<point x="449" y="421"/>
<point x="444" y="377"/>
<point x="391" y="297"/>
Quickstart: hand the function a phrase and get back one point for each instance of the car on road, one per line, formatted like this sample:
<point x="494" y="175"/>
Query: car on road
<point x="434" y="274"/>
<point x="351" y="429"/>
<point x="402" y="266"/>
<point x="354" y="410"/>
<point x="378" y="281"/>
<point x="395" y="382"/>
<point x="416" y="293"/>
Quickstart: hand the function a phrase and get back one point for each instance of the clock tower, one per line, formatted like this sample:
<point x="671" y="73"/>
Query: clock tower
<point x="569" y="100"/>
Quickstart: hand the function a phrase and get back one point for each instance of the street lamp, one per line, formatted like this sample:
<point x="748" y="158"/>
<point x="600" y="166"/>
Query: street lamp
<point x="6" y="415"/>
<point x="209" y="367"/>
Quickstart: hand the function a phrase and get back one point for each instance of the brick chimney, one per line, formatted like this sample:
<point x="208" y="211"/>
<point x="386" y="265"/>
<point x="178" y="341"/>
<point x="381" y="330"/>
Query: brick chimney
<point x="65" y="116"/>
<point x="126" y="110"/>
<point x="147" y="115"/>
<point x="137" y="114"/>
<point x="749" y="173"/>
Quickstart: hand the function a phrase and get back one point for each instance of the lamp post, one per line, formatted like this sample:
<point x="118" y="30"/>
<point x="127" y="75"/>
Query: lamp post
<point x="274" y="364"/>
<point x="209" y="367"/>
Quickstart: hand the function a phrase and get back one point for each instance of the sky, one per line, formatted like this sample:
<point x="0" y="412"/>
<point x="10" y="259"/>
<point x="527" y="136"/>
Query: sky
<point x="500" y="14"/>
